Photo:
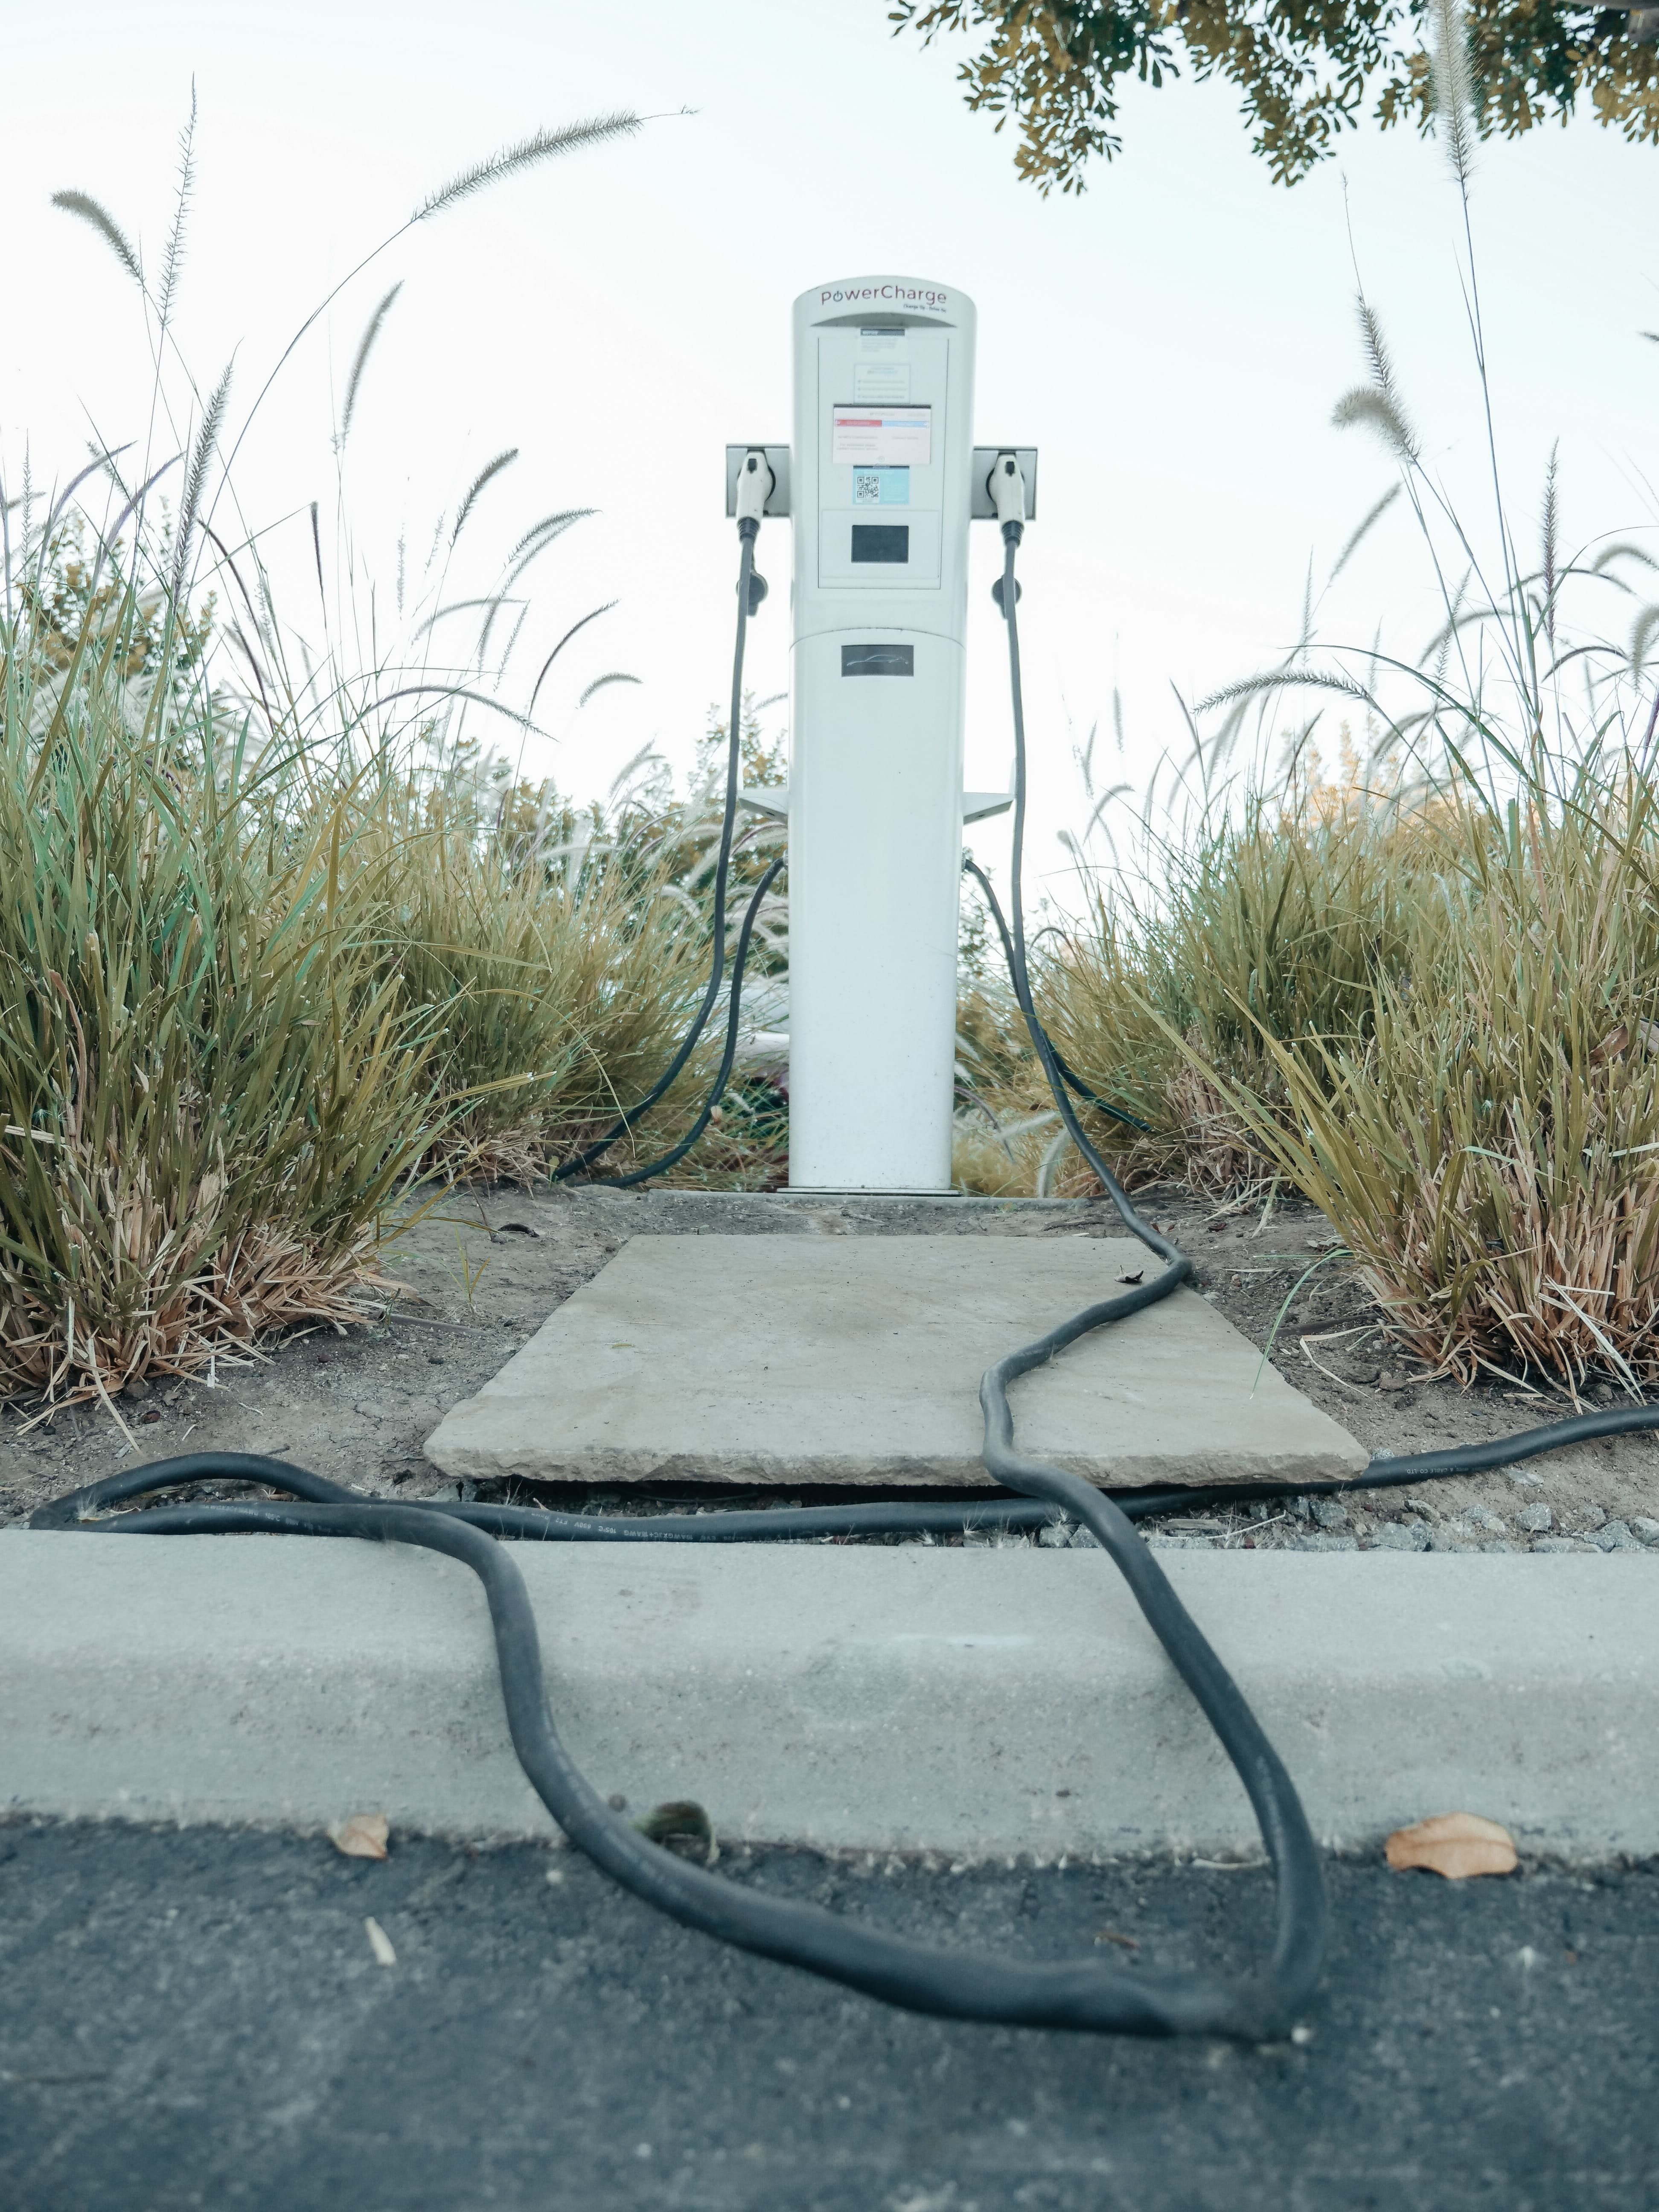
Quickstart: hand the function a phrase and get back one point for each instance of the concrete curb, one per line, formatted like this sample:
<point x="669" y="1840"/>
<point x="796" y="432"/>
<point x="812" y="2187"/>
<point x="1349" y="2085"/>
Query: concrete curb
<point x="975" y="1702"/>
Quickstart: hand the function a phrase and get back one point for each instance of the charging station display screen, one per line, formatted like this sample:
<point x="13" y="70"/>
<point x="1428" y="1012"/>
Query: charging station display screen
<point x="884" y="542"/>
<point x="866" y="437"/>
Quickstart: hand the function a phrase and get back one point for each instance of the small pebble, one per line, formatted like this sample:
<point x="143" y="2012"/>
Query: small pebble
<point x="1318" y="1539"/>
<point x="1329" y="1513"/>
<point x="1614" y="1536"/>
<point x="1560" y="1544"/>
<point x="1594" y="1515"/>
<point x="1084" y="1539"/>
<point x="1535" y="1519"/>
<point x="1484" y="1517"/>
<point x="1645" y="1531"/>
<point x="1403" y="1536"/>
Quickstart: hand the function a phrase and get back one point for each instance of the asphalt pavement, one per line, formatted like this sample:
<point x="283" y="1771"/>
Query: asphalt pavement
<point x="203" y="2018"/>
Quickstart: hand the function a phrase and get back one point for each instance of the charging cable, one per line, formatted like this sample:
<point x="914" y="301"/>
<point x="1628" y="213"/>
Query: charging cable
<point x="754" y="486"/>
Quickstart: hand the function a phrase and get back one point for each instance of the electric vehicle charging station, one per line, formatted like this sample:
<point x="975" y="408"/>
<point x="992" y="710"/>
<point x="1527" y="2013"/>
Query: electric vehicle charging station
<point x="880" y="483"/>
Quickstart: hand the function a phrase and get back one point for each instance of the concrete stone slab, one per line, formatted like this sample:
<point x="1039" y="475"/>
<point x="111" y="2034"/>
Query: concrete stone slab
<point x="851" y="1359"/>
<point x="967" y="1701"/>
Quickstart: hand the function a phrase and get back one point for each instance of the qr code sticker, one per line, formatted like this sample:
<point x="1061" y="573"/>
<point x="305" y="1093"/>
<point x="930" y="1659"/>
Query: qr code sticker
<point x="867" y="488"/>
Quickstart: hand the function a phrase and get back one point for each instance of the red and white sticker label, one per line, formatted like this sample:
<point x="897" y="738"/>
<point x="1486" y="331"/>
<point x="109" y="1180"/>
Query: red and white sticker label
<point x="869" y="437"/>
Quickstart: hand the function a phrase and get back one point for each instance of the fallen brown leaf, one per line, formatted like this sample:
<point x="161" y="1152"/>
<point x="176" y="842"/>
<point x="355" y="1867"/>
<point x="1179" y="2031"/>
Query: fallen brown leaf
<point x="681" y="1821"/>
<point x="1138" y="1276"/>
<point x="362" y="1837"/>
<point x="1455" y="1844"/>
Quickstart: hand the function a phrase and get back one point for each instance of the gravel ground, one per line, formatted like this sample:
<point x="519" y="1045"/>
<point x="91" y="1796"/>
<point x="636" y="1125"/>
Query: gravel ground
<point x="199" y="2020"/>
<point x="485" y="1271"/>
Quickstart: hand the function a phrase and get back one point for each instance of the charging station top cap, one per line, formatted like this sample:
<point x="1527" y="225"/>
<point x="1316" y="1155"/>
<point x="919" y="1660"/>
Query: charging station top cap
<point x="904" y="301"/>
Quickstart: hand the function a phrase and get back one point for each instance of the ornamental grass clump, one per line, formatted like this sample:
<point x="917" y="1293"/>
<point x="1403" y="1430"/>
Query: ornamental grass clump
<point x="561" y="974"/>
<point x="263" y="980"/>
<point x="210" y="1086"/>
<point x="1267" y="924"/>
<point x="1490" y="1152"/>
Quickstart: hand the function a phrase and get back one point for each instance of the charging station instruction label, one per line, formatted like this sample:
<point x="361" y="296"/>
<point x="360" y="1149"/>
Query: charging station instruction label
<point x="866" y="437"/>
<point x="881" y="373"/>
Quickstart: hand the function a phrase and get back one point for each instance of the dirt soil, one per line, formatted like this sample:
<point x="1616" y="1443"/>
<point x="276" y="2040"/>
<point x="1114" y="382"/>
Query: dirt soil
<point x="484" y="1271"/>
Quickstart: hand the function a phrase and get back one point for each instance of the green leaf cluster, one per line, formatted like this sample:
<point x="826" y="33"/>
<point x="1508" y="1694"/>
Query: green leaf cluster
<point x="1307" y="69"/>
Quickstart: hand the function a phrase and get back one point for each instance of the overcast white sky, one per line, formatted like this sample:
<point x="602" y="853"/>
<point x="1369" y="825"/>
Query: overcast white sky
<point x="1173" y="341"/>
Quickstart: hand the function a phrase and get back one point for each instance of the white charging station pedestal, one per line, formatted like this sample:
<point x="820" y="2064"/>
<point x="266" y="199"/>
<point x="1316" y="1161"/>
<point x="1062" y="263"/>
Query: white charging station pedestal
<point x="880" y="481"/>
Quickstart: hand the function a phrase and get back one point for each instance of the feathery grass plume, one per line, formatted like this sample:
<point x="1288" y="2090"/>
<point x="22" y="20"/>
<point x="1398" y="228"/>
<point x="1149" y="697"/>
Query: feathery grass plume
<point x="616" y="676"/>
<point x="1362" y="533"/>
<point x="489" y="470"/>
<point x="536" y="542"/>
<point x="509" y="162"/>
<point x="1550" y="532"/>
<point x="490" y="599"/>
<point x="317" y="549"/>
<point x="550" y="527"/>
<point x="360" y="360"/>
<point x="1643" y="632"/>
<point x="90" y="211"/>
<point x="1378" y="403"/>
<point x="541" y="146"/>
<point x="1453" y="88"/>
<point x="207" y="438"/>
<point x="173" y="260"/>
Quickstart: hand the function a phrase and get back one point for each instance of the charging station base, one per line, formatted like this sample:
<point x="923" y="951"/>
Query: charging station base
<point x="818" y="1361"/>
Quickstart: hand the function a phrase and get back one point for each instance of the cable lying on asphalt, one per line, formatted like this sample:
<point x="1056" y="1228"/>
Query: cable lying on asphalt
<point x="1088" y="1993"/>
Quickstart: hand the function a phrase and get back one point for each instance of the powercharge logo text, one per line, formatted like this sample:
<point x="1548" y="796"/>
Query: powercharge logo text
<point x="892" y="295"/>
